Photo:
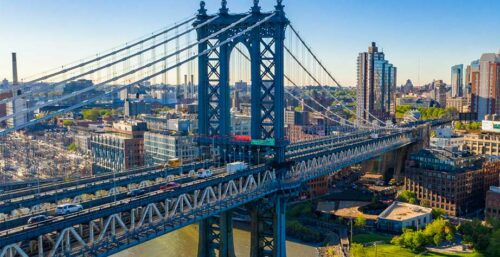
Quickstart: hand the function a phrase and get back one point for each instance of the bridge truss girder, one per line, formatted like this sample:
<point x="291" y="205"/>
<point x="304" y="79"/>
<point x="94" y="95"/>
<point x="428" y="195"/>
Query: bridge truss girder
<point x="117" y="227"/>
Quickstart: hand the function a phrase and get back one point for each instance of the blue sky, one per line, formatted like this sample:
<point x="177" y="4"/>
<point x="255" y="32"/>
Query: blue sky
<point x="435" y="33"/>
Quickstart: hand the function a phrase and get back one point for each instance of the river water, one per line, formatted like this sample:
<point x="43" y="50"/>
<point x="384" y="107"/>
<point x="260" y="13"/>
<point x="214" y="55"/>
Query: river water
<point x="184" y="243"/>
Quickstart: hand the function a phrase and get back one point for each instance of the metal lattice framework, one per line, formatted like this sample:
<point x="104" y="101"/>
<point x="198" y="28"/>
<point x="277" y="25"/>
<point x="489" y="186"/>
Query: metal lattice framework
<point x="132" y="220"/>
<point x="265" y="45"/>
<point x="117" y="221"/>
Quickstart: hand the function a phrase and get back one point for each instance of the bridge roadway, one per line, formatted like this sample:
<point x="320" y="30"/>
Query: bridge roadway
<point x="58" y="191"/>
<point x="327" y="140"/>
<point x="336" y="144"/>
<point x="52" y="196"/>
<point x="22" y="220"/>
<point x="72" y="191"/>
<point x="331" y="143"/>
<point x="10" y="194"/>
<point x="15" y="234"/>
<point x="21" y="185"/>
<point x="24" y="231"/>
<point x="320" y="151"/>
<point x="50" y="185"/>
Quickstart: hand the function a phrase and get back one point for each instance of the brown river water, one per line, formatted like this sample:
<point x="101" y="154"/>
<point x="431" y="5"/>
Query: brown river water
<point x="184" y="243"/>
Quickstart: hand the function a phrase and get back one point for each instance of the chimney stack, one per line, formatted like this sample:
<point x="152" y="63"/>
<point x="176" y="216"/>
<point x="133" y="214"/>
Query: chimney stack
<point x="14" y="69"/>
<point x="185" y="86"/>
<point x="192" y="85"/>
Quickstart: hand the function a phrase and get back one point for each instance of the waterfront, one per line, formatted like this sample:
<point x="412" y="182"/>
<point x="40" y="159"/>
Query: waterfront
<point x="184" y="243"/>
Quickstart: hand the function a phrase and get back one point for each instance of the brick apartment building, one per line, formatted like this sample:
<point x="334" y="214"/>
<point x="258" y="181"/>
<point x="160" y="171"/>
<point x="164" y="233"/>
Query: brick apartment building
<point x="492" y="208"/>
<point x="454" y="182"/>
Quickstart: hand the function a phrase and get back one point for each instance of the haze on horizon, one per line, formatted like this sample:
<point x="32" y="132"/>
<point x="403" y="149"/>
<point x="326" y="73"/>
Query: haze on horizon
<point x="432" y="35"/>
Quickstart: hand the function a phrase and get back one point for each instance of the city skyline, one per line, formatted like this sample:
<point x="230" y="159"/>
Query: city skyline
<point x="435" y="44"/>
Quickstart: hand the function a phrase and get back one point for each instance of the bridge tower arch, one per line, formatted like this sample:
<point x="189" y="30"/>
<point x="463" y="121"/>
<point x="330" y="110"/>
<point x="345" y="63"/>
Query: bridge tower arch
<point x="266" y="49"/>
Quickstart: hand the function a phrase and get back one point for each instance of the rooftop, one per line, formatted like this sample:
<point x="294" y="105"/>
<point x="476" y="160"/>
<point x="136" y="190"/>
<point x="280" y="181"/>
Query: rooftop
<point x="403" y="211"/>
<point x="445" y="160"/>
<point x="495" y="189"/>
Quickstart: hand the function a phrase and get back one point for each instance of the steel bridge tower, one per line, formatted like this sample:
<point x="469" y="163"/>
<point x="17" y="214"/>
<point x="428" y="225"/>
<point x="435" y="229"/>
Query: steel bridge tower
<point x="265" y="44"/>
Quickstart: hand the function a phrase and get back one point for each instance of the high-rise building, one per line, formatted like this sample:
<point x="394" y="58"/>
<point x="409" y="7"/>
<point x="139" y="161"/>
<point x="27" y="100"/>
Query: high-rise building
<point x="439" y="93"/>
<point x="486" y="94"/>
<point x="457" y="80"/>
<point x="472" y="77"/>
<point x="375" y="86"/>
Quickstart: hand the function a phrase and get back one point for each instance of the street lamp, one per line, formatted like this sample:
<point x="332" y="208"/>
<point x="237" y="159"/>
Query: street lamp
<point x="258" y="155"/>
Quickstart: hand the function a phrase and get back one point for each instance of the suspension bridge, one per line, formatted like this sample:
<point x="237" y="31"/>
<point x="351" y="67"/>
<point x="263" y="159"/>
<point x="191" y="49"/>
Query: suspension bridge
<point x="279" y="60"/>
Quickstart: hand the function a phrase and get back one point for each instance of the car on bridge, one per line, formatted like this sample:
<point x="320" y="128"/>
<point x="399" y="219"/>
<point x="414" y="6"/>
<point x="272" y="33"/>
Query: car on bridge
<point x="136" y="192"/>
<point x="170" y="186"/>
<point x="68" y="208"/>
<point x="174" y="163"/>
<point x="204" y="173"/>
<point x="38" y="219"/>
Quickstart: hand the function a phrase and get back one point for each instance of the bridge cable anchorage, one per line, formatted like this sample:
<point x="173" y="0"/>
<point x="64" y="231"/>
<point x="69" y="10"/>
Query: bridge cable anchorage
<point x="103" y="84"/>
<point x="61" y="98"/>
<point x="54" y="114"/>
<point x="99" y="57"/>
<point x="324" y="68"/>
<point x="111" y="64"/>
<point x="296" y="98"/>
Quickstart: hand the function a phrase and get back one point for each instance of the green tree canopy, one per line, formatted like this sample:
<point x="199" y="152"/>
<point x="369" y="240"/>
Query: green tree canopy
<point x="72" y="147"/>
<point x="407" y="197"/>
<point x="360" y="221"/>
<point x="67" y="122"/>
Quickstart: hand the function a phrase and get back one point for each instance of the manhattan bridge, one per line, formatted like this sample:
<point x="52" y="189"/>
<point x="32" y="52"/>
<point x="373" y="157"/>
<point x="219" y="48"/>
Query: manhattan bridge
<point x="280" y="60"/>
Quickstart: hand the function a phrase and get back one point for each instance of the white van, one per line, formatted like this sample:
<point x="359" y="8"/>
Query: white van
<point x="68" y="208"/>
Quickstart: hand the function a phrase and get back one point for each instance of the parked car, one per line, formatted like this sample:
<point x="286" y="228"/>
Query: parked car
<point x="170" y="186"/>
<point x="204" y="173"/>
<point x="136" y="192"/>
<point x="38" y="219"/>
<point x="68" y="208"/>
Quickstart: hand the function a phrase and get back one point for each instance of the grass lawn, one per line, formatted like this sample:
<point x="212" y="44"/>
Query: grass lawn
<point x="388" y="250"/>
<point x="370" y="237"/>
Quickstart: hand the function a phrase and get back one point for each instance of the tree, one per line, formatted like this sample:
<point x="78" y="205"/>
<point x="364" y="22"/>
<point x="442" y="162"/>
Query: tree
<point x="330" y="252"/>
<point x="96" y="113"/>
<point x="360" y="221"/>
<point x="437" y="213"/>
<point x="67" y="122"/>
<point x="419" y="240"/>
<point x="92" y="114"/>
<point x="407" y="197"/>
<point x="494" y="246"/>
<point x="435" y="232"/>
<point x="357" y="250"/>
<point x="459" y="125"/>
<point x="72" y="147"/>
<point x="476" y="233"/>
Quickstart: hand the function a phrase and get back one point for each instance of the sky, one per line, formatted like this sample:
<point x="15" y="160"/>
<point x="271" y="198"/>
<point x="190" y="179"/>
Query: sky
<point x="422" y="38"/>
